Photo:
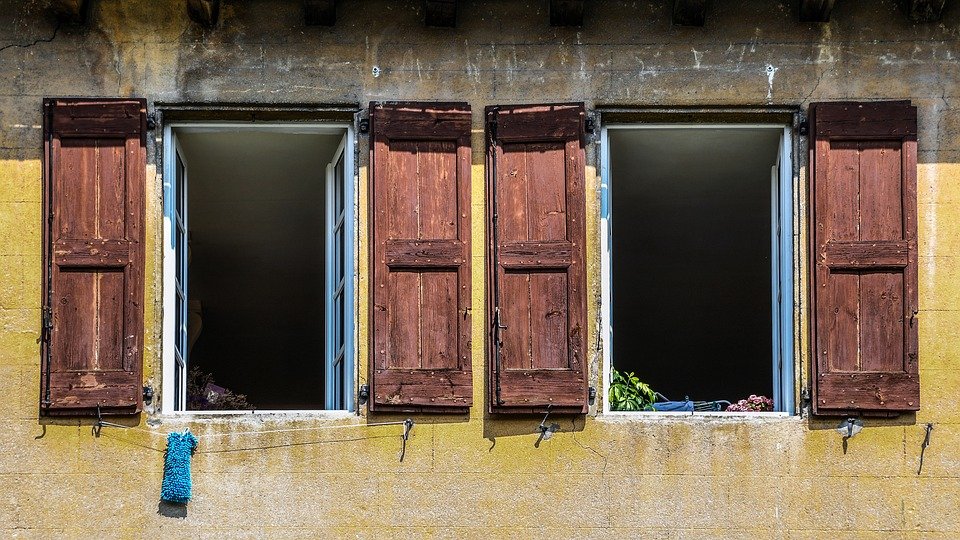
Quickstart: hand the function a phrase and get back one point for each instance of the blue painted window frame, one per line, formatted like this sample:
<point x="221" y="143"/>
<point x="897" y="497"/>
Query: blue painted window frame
<point x="339" y="279"/>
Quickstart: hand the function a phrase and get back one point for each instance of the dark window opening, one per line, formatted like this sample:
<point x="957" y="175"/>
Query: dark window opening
<point x="255" y="266"/>
<point x="691" y="257"/>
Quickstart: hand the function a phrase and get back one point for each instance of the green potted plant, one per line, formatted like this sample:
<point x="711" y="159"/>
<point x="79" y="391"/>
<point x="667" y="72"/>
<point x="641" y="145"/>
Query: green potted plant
<point x="629" y="393"/>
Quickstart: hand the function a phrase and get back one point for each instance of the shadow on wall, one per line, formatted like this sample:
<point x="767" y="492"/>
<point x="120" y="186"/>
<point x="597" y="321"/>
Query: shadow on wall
<point x="86" y="419"/>
<point x="537" y="427"/>
<point x="840" y="424"/>
<point x="820" y="423"/>
<point x="172" y="510"/>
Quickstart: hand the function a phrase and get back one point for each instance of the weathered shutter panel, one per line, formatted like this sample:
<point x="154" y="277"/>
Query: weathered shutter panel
<point x="420" y="308"/>
<point x="864" y="242"/>
<point x="538" y="304"/>
<point x="94" y="186"/>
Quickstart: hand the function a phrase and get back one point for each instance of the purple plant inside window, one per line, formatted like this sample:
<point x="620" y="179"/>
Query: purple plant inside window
<point x="752" y="404"/>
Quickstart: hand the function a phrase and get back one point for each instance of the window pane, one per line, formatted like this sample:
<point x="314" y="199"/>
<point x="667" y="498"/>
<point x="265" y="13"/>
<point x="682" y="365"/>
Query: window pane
<point x="178" y="377"/>
<point x="339" y="320"/>
<point x="180" y="246"/>
<point x="179" y="182"/>
<point x="338" y="185"/>
<point x="179" y="319"/>
<point x="339" y="255"/>
<point x="340" y="390"/>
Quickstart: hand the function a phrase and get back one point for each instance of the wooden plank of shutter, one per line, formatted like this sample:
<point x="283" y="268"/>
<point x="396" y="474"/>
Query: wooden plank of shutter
<point x="420" y="294"/>
<point x="94" y="196"/>
<point x="864" y="247"/>
<point x="537" y="267"/>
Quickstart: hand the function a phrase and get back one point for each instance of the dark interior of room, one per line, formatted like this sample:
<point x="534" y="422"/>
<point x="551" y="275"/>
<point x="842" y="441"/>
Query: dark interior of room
<point x="256" y="207"/>
<point x="691" y="259"/>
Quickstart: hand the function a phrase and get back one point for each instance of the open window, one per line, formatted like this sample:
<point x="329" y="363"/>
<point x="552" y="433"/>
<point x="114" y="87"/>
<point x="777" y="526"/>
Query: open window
<point x="697" y="256"/>
<point x="258" y="267"/>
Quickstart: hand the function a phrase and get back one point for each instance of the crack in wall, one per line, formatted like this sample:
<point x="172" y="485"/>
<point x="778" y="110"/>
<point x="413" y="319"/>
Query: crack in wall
<point x="806" y="98"/>
<point x="590" y="449"/>
<point x="56" y="30"/>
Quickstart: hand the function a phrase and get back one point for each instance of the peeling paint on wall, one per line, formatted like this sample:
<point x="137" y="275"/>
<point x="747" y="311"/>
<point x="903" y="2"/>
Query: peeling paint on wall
<point x="771" y="73"/>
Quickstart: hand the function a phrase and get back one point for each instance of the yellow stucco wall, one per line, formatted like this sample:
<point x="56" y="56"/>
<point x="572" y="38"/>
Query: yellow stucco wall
<point x="475" y="475"/>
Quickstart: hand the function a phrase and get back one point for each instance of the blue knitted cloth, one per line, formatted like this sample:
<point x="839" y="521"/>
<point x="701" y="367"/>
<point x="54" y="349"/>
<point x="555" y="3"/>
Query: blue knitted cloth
<point x="176" y="467"/>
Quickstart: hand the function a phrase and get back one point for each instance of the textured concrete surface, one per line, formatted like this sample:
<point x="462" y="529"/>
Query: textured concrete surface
<point x="476" y="476"/>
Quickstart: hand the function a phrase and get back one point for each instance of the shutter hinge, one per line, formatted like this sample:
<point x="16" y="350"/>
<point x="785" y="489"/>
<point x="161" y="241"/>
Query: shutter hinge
<point x="148" y="394"/>
<point x="590" y="124"/>
<point x="151" y="121"/>
<point x="363" y="121"/>
<point x="492" y="125"/>
<point x="47" y="322"/>
<point x="803" y="128"/>
<point x="591" y="127"/>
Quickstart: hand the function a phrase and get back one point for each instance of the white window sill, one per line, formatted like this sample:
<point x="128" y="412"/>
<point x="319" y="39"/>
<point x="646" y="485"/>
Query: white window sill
<point x="259" y="415"/>
<point x="696" y="416"/>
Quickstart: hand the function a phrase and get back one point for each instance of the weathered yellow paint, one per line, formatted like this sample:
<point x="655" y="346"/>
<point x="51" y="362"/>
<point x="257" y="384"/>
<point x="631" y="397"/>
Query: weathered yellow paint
<point x="476" y="475"/>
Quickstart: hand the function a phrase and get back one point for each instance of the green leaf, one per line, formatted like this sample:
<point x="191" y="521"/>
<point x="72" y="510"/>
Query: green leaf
<point x="628" y="393"/>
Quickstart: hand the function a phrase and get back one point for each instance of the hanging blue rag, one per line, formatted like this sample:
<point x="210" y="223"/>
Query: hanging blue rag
<point x="176" y="467"/>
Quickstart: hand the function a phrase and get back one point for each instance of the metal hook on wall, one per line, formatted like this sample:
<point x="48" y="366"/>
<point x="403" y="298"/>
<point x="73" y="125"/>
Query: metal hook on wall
<point x="407" y="426"/>
<point x="924" y="445"/>
<point x="547" y="431"/>
<point x="101" y="422"/>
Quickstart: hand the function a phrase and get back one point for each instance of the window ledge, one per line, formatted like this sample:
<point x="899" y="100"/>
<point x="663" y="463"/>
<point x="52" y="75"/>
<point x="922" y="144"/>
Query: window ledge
<point x="696" y="416"/>
<point x="258" y="415"/>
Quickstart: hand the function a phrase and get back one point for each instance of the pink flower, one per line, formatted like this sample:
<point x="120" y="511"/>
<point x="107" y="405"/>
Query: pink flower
<point x="752" y="403"/>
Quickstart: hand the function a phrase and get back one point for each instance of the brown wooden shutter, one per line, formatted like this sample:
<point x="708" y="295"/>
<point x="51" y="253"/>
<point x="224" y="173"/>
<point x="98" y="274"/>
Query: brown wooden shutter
<point x="420" y="293"/>
<point x="864" y="241"/>
<point x="94" y="185"/>
<point x="537" y="280"/>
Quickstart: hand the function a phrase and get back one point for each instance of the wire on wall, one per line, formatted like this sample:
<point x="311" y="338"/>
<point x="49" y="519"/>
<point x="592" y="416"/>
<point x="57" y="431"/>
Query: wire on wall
<point x="407" y="424"/>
